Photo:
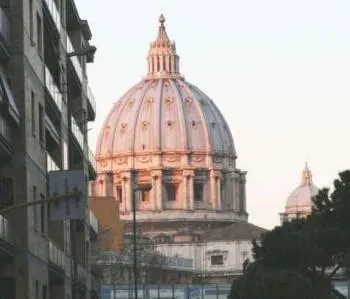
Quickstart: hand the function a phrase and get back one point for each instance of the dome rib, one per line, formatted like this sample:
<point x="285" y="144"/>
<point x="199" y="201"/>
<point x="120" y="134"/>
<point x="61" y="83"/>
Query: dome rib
<point x="122" y="111"/>
<point x="160" y="116"/>
<point x="183" y="115"/>
<point x="218" y="144"/>
<point x="137" y="116"/>
<point x="202" y="117"/>
<point x="100" y="142"/>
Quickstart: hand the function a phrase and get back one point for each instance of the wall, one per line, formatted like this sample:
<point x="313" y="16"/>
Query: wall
<point x="234" y="253"/>
<point x="106" y="210"/>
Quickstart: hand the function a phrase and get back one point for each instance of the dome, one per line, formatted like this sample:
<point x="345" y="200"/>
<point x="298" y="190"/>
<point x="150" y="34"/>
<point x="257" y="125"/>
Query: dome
<point x="165" y="114"/>
<point x="165" y="133"/>
<point x="300" y="200"/>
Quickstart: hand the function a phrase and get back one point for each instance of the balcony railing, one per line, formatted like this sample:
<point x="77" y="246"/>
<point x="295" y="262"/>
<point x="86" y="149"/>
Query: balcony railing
<point x="77" y="133"/>
<point x="53" y="89"/>
<point x="4" y="229"/>
<point x="56" y="256"/>
<point x="51" y="5"/>
<point x="5" y="27"/>
<point x="82" y="273"/>
<point x="95" y="285"/>
<point x="5" y="130"/>
<point x="75" y="61"/>
<point x="92" y="159"/>
<point x="91" y="98"/>
<point x="93" y="222"/>
<point x="51" y="164"/>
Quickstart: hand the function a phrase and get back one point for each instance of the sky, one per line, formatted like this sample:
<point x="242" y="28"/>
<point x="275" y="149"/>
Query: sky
<point x="278" y="70"/>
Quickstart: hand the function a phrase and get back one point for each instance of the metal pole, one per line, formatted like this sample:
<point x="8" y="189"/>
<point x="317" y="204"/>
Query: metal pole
<point x="134" y="241"/>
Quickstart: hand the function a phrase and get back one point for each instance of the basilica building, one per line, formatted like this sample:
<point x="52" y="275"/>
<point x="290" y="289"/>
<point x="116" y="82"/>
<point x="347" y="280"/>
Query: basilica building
<point x="167" y="143"/>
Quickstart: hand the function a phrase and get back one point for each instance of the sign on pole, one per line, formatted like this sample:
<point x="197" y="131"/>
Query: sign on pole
<point x="66" y="182"/>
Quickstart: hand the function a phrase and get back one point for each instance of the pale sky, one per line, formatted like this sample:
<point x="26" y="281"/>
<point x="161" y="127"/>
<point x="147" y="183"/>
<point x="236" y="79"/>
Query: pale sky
<point x="279" y="70"/>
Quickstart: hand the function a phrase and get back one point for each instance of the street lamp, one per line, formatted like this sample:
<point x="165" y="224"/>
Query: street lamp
<point x="134" y="228"/>
<point x="75" y="194"/>
<point x="89" y="52"/>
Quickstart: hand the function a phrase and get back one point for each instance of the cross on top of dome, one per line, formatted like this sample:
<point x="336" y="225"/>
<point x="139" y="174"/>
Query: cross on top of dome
<point x="163" y="62"/>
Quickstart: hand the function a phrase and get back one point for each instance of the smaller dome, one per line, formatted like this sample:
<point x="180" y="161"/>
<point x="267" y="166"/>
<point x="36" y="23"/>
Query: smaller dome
<point x="300" y="200"/>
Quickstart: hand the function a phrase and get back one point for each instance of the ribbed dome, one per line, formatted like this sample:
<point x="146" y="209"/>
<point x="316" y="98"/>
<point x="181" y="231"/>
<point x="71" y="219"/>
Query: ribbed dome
<point x="168" y="137"/>
<point x="164" y="113"/>
<point x="300" y="200"/>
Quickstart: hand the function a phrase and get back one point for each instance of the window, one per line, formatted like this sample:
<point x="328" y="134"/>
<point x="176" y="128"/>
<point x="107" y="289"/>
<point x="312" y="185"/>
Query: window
<point x="32" y="100"/>
<point x="6" y="191"/>
<point x="39" y="34"/>
<point x="44" y="291"/>
<point x="35" y="219"/>
<point x="37" y="296"/>
<point x="42" y="215"/>
<point x="217" y="260"/>
<point x="119" y="194"/>
<point x="145" y="195"/>
<point x="171" y="192"/>
<point x="41" y="123"/>
<point x="31" y="20"/>
<point x="198" y="192"/>
<point x="62" y="9"/>
<point x="87" y="249"/>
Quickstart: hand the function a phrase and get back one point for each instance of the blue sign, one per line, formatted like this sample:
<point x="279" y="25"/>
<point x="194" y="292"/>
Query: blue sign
<point x="65" y="183"/>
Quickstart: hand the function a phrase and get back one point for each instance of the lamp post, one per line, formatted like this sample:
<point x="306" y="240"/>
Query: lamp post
<point x="134" y="231"/>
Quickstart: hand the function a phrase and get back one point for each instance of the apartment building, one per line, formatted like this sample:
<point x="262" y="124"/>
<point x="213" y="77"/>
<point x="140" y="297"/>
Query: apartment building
<point x="45" y="107"/>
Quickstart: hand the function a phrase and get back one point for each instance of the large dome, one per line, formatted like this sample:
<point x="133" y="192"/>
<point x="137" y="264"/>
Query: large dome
<point x="164" y="114"/>
<point x="166" y="133"/>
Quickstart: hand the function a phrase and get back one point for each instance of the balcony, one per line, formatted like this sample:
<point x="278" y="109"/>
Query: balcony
<point x="82" y="274"/>
<point x="78" y="135"/>
<point x="53" y="15"/>
<point x="6" y="242"/>
<point x="5" y="39"/>
<point x="95" y="286"/>
<point x="78" y="70"/>
<point x="53" y="91"/>
<point x="51" y="129"/>
<point x="56" y="256"/>
<point x="5" y="139"/>
<point x="91" y="104"/>
<point x="93" y="223"/>
<point x="92" y="165"/>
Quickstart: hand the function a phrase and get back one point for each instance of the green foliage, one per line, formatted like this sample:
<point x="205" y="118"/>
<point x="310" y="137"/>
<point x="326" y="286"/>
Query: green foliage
<point x="277" y="283"/>
<point x="299" y="258"/>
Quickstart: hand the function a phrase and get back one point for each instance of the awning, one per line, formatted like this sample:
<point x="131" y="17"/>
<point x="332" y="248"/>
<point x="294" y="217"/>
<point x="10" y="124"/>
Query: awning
<point x="8" y="96"/>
